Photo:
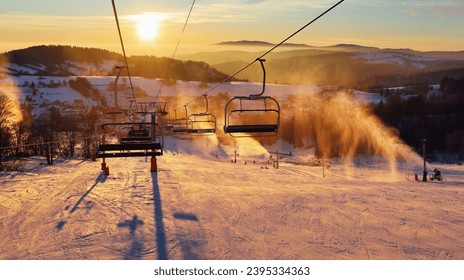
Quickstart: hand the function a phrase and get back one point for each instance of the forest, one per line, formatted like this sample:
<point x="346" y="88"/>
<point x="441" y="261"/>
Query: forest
<point x="438" y="118"/>
<point x="56" y="61"/>
<point x="50" y="135"/>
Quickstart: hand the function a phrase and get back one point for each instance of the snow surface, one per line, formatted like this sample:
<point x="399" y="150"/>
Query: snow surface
<point x="12" y="86"/>
<point x="393" y="58"/>
<point x="200" y="205"/>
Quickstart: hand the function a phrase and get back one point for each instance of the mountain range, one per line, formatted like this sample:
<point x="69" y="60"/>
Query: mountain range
<point x="346" y="65"/>
<point x="342" y="65"/>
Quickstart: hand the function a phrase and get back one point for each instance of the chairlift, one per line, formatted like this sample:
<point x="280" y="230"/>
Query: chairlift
<point x="254" y="115"/>
<point x="137" y="133"/>
<point x="142" y="139"/>
<point x="180" y="125"/>
<point x="201" y="123"/>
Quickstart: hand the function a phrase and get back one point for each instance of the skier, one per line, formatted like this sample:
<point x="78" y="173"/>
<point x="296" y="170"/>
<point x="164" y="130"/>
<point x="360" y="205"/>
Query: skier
<point x="436" y="175"/>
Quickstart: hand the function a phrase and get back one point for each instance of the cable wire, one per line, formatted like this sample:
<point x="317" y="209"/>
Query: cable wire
<point x="175" y="51"/>
<point x="124" y="52"/>
<point x="266" y="53"/>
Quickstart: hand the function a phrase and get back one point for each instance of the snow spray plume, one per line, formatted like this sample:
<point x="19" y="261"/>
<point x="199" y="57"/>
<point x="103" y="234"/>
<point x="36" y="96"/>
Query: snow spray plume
<point x="10" y="89"/>
<point x="343" y="128"/>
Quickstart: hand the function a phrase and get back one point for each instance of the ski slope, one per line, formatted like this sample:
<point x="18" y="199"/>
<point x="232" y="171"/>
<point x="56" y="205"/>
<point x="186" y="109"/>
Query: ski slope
<point x="200" y="205"/>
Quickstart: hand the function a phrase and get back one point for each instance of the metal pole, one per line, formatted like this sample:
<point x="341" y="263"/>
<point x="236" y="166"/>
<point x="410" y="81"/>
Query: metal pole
<point x="116" y="86"/>
<point x="277" y="165"/>
<point x="424" y="174"/>
<point x="323" y="168"/>
<point x="51" y="139"/>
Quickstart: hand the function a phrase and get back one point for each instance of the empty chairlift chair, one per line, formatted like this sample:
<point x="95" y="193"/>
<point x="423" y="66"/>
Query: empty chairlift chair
<point x="202" y="123"/>
<point x="143" y="139"/>
<point x="180" y="125"/>
<point x="254" y="115"/>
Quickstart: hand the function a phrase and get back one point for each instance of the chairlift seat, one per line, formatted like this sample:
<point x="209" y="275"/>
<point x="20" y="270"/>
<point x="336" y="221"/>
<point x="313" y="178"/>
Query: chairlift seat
<point x="129" y="150"/>
<point x="138" y="132"/>
<point x="180" y="130"/>
<point x="202" y="131"/>
<point x="136" y="139"/>
<point x="202" y="123"/>
<point x="129" y="146"/>
<point x="129" y="154"/>
<point x="264" y="128"/>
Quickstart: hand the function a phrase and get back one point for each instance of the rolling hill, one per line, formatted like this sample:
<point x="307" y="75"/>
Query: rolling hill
<point x="344" y="65"/>
<point x="77" y="61"/>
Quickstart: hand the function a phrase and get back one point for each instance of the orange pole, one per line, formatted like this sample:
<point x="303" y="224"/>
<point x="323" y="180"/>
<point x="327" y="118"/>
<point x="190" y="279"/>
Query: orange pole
<point x="154" y="165"/>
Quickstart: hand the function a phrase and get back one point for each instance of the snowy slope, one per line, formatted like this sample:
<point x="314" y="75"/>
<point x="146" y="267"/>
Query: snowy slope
<point x="401" y="59"/>
<point x="15" y="87"/>
<point x="201" y="206"/>
<point x="71" y="67"/>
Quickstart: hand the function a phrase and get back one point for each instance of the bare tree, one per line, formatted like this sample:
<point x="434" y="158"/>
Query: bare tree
<point x="6" y="120"/>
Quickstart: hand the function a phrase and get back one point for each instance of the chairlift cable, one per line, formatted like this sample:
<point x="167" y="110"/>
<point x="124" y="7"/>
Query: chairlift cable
<point x="175" y="51"/>
<point x="124" y="52"/>
<point x="299" y="30"/>
<point x="267" y="52"/>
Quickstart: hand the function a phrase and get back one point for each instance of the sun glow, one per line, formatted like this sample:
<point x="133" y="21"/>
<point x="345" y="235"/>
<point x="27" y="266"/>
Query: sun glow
<point x="148" y="25"/>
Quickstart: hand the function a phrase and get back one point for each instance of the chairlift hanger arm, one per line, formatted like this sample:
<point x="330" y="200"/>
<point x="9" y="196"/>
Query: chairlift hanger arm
<point x="261" y="61"/>
<point x="206" y="100"/>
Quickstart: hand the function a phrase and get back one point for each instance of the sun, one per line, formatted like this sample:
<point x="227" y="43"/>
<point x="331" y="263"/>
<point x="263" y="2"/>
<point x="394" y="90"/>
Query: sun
<point x="147" y="25"/>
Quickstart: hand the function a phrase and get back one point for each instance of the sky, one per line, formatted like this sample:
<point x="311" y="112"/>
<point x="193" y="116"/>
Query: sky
<point x="419" y="25"/>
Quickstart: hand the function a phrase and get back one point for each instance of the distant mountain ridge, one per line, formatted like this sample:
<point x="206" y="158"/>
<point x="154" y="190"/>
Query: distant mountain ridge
<point x="345" y="65"/>
<point x="259" y="44"/>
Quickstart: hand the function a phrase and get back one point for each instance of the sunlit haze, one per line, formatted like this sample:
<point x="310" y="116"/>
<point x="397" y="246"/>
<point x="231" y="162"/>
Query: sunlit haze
<point x="154" y="27"/>
<point x="147" y="25"/>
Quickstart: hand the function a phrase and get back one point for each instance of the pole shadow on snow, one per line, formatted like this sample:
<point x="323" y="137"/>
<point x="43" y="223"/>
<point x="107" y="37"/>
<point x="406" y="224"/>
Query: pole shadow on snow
<point x="189" y="235"/>
<point x="159" y="225"/>
<point x="100" y="179"/>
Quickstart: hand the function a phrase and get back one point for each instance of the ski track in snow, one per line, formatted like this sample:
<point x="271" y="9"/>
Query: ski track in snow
<point x="203" y="207"/>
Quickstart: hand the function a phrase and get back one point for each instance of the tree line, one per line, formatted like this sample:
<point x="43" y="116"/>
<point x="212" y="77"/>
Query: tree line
<point x="53" y="61"/>
<point x="438" y="118"/>
<point x="48" y="135"/>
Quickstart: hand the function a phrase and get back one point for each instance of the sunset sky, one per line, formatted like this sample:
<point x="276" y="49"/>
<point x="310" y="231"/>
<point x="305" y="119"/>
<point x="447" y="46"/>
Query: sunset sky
<point x="420" y="25"/>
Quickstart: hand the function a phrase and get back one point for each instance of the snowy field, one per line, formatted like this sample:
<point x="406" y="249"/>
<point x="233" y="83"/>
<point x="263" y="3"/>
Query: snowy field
<point x="13" y="87"/>
<point x="199" y="205"/>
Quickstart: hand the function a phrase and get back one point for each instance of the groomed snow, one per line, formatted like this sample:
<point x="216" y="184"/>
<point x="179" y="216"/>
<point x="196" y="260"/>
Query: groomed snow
<point x="199" y="205"/>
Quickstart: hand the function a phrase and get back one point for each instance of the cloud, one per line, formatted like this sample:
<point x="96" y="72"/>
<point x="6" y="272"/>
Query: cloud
<point x="26" y="20"/>
<point x="252" y="10"/>
<point x="440" y="9"/>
